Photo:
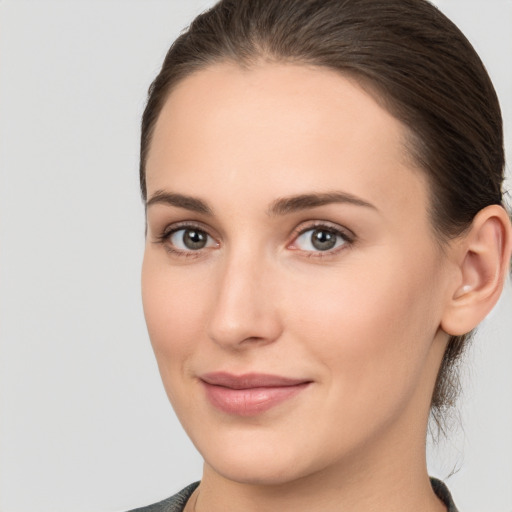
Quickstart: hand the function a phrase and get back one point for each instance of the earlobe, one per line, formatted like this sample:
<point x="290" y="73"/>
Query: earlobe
<point x="483" y="257"/>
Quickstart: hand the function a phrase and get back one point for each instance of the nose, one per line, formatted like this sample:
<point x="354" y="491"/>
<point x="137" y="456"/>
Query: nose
<point x="245" y="312"/>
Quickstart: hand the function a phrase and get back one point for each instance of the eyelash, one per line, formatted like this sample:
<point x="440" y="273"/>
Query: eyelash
<point x="346" y="235"/>
<point x="164" y="237"/>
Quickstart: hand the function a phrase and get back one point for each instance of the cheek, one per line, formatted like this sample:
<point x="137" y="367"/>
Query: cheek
<point x="174" y="308"/>
<point x="370" y="326"/>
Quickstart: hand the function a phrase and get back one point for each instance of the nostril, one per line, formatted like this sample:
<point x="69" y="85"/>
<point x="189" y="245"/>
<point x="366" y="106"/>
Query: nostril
<point x="244" y="329"/>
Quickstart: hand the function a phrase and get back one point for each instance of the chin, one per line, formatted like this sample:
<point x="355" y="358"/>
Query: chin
<point x="258" y="460"/>
<point x="257" y="472"/>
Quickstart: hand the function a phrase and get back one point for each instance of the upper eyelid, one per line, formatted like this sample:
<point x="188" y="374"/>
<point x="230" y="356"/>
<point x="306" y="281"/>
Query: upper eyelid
<point x="348" y="236"/>
<point x="163" y="239"/>
<point x="298" y="230"/>
<point x="177" y="226"/>
<point x="161" y="235"/>
<point x="348" y="233"/>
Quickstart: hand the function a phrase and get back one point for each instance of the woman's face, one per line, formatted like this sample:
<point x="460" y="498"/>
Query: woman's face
<point x="292" y="284"/>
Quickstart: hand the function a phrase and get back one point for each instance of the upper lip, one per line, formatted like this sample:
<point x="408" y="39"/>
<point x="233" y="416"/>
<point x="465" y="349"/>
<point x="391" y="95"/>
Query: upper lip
<point x="249" y="380"/>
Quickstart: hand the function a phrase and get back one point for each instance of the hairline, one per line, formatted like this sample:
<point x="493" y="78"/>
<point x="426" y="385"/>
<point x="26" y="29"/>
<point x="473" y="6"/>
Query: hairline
<point x="410" y="142"/>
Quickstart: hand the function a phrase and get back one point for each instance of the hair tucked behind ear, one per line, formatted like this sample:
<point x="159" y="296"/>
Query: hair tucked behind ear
<point x="410" y="56"/>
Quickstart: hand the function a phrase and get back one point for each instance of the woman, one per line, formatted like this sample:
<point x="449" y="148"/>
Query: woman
<point x="325" y="227"/>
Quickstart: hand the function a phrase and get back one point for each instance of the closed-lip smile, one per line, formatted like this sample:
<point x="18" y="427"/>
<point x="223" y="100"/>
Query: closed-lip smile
<point x="251" y="393"/>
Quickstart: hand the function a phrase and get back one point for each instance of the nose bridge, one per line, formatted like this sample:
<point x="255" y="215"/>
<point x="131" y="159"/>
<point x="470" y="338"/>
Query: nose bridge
<point x="245" y="308"/>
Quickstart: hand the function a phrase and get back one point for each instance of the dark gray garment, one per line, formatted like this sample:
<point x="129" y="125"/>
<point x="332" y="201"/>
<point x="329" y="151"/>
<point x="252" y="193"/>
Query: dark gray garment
<point x="177" y="502"/>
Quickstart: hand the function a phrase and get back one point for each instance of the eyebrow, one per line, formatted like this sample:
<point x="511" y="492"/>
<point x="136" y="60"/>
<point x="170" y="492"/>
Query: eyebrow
<point x="281" y="206"/>
<point x="181" y="201"/>
<point x="286" y="205"/>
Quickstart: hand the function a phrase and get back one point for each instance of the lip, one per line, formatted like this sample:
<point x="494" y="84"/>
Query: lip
<point x="249" y="394"/>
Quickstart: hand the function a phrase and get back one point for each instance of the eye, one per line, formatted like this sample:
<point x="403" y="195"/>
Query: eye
<point x="190" y="239"/>
<point x="320" y="239"/>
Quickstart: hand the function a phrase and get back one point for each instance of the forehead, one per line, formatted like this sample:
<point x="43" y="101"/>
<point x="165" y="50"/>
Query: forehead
<point x="280" y="129"/>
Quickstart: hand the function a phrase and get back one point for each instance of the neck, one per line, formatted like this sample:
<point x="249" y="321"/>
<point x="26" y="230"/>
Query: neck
<point x="398" y="483"/>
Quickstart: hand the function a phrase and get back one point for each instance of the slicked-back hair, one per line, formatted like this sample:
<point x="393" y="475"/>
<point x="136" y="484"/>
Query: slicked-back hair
<point x="414" y="61"/>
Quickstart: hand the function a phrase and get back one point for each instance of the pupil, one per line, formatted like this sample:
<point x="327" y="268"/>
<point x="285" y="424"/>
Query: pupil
<point x="194" y="239"/>
<point x="323" y="240"/>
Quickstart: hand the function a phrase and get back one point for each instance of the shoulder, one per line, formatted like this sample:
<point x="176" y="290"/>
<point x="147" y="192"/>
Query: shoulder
<point x="443" y="494"/>
<point x="175" y="503"/>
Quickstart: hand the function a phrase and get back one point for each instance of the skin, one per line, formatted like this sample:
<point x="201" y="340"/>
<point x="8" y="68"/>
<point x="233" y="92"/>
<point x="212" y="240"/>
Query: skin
<point x="362" y="322"/>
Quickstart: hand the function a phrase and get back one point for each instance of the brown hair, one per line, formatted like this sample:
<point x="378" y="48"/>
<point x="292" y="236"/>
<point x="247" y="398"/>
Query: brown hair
<point x="413" y="59"/>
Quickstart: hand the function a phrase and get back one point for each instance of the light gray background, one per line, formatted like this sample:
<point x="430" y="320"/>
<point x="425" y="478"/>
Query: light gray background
<point x="84" y="421"/>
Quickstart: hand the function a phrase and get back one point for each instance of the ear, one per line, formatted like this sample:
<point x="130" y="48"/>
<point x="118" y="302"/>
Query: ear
<point x="482" y="258"/>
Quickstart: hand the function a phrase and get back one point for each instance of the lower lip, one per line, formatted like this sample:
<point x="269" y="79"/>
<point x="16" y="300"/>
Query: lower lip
<point x="250" y="401"/>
